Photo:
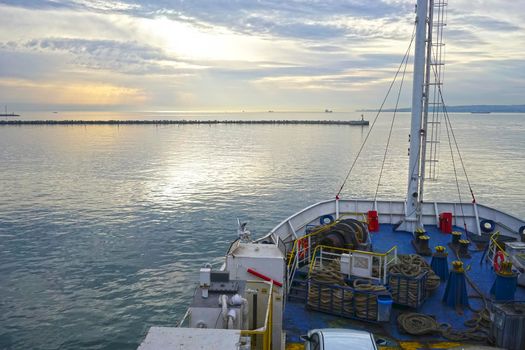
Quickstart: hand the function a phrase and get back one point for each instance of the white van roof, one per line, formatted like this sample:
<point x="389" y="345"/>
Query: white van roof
<point x="343" y="339"/>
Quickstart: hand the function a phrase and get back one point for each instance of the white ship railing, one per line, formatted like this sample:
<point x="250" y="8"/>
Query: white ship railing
<point x="391" y="212"/>
<point x="184" y="322"/>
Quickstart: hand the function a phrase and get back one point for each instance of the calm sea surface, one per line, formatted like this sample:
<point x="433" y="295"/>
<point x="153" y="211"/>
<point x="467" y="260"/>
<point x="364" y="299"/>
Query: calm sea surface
<point x="103" y="228"/>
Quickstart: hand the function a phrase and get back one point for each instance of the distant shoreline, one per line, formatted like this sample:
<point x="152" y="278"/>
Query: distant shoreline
<point x="475" y="109"/>
<point x="181" y="122"/>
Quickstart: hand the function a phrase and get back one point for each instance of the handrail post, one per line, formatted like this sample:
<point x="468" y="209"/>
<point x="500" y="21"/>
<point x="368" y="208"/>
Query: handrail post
<point x="385" y="267"/>
<point x="309" y="249"/>
<point x="477" y="217"/>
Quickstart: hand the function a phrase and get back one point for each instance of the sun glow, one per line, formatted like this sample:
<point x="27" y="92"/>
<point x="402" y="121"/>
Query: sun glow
<point x="189" y="41"/>
<point x="65" y="93"/>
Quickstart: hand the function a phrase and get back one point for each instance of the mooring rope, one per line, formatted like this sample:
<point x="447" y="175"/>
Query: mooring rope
<point x="421" y="324"/>
<point x="405" y="284"/>
<point x="360" y="301"/>
<point x="477" y="327"/>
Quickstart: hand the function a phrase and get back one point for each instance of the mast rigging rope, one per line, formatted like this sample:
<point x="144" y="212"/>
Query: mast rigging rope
<point x="450" y="131"/>
<point x="378" y="113"/>
<point x="392" y="123"/>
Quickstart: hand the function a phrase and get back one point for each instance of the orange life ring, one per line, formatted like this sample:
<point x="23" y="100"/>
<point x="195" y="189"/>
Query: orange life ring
<point x="498" y="259"/>
<point x="302" y="247"/>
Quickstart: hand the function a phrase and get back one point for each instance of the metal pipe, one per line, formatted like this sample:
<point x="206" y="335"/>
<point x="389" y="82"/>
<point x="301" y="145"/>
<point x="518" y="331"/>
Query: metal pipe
<point x="264" y="277"/>
<point x="254" y="314"/>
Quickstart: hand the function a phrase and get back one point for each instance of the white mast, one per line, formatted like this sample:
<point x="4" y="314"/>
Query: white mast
<point x="426" y="94"/>
<point x="412" y="218"/>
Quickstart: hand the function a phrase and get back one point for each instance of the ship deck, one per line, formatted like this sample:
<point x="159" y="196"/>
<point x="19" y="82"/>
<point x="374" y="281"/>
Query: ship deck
<point x="298" y="320"/>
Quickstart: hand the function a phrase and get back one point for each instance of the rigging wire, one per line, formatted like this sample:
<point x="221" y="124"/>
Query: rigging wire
<point x="455" y="175"/>
<point x="377" y="115"/>
<point x="447" y="120"/>
<point x="392" y="123"/>
<point x="448" y="125"/>
<point x="450" y="132"/>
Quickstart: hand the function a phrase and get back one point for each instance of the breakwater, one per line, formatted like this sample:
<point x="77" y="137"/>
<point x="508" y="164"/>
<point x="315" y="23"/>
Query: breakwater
<point x="182" y="122"/>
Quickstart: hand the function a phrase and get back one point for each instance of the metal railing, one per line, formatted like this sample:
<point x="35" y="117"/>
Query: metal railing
<point x="495" y="249"/>
<point x="261" y="337"/>
<point x="185" y="319"/>
<point x="408" y="291"/>
<point x="343" y="301"/>
<point x="300" y="254"/>
<point x="323" y="254"/>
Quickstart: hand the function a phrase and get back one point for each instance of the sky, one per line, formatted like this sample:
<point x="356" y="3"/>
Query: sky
<point x="203" y="55"/>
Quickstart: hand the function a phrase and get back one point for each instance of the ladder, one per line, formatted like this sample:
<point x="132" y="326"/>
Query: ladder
<point x="435" y="104"/>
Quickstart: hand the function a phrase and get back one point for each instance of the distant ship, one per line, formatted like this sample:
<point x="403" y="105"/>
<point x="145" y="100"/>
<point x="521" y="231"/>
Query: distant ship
<point x="328" y="111"/>
<point x="479" y="112"/>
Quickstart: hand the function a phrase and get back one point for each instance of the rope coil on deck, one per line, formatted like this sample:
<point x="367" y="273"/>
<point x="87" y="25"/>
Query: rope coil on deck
<point x="477" y="327"/>
<point x="405" y="280"/>
<point x="422" y="324"/>
<point x="359" y="301"/>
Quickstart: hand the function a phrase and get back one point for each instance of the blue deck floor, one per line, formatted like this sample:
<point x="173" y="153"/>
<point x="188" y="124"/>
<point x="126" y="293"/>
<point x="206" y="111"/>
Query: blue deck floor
<point x="298" y="320"/>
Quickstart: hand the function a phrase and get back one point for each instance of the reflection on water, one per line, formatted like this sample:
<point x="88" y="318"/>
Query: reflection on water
<point x="103" y="227"/>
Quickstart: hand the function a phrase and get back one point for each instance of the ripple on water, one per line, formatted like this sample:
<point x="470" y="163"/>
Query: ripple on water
<point x="103" y="229"/>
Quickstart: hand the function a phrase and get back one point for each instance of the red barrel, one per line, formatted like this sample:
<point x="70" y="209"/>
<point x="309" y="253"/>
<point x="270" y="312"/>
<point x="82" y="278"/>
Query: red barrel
<point x="445" y="222"/>
<point x="373" y="221"/>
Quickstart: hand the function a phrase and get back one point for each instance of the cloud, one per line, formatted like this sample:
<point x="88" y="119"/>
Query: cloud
<point x="305" y="20"/>
<point x="293" y="19"/>
<point x="349" y="80"/>
<point x="186" y="54"/>
<point x="104" y="5"/>
<point x="464" y="37"/>
<point x="26" y="65"/>
<point x="124" y="57"/>
<point x="326" y="48"/>
<point x="100" y="5"/>
<point x="491" y="24"/>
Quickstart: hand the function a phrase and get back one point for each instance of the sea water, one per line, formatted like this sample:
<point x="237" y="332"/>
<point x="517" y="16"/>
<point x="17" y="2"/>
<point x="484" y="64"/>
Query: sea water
<point x="103" y="228"/>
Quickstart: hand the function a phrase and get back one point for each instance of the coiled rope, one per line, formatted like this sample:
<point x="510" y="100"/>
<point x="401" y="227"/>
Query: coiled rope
<point x="421" y="324"/>
<point x="360" y="300"/>
<point x="405" y="277"/>
<point x="477" y="327"/>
